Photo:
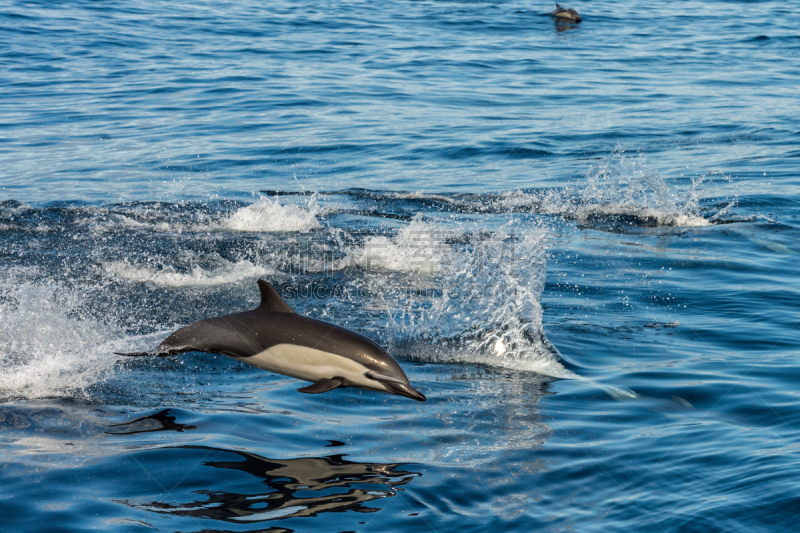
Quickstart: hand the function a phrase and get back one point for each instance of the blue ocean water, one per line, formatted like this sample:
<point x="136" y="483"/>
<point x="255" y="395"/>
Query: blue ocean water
<point x="580" y="242"/>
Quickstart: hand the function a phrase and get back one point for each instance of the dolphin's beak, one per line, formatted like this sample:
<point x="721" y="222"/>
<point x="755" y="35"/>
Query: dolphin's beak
<point x="408" y="391"/>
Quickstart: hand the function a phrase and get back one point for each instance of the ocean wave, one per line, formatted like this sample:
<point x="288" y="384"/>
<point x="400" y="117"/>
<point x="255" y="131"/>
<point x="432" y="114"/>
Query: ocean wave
<point x="419" y="195"/>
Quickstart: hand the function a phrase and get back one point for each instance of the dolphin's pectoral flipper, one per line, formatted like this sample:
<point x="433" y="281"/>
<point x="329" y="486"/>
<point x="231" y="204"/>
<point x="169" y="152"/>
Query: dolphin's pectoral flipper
<point x="323" y="385"/>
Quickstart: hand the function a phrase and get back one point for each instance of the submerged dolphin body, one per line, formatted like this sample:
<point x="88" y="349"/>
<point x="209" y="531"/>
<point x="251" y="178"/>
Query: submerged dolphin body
<point x="274" y="338"/>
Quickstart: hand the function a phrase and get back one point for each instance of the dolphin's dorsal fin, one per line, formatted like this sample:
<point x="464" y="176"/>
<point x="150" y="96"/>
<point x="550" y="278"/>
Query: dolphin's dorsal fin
<point x="271" y="300"/>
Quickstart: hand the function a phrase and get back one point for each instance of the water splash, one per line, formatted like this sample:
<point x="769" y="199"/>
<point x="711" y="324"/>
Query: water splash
<point x="621" y="190"/>
<point x="46" y="348"/>
<point x="482" y="305"/>
<point x="626" y="186"/>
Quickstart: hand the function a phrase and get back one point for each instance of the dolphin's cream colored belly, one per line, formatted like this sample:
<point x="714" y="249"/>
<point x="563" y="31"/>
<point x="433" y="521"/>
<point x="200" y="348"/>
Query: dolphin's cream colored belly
<point x="312" y="365"/>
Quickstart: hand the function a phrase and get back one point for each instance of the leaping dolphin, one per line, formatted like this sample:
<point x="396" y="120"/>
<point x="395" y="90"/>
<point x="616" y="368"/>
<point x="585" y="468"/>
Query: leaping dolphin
<point x="274" y="338"/>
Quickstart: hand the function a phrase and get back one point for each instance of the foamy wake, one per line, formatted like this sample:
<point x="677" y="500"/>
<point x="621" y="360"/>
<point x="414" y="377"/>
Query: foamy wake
<point x="270" y="215"/>
<point x="45" y="349"/>
<point x="226" y="272"/>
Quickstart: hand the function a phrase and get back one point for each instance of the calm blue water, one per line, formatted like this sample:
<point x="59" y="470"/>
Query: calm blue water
<point x="581" y="243"/>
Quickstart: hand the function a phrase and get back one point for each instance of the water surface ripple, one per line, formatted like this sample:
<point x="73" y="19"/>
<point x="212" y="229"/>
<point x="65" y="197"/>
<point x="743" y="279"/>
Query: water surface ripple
<point x="580" y="241"/>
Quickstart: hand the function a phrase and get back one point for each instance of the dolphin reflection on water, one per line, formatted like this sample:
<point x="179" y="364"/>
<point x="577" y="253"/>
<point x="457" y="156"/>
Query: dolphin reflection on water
<point x="294" y="488"/>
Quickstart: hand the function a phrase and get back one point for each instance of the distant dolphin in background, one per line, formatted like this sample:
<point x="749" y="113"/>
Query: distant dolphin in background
<point x="565" y="15"/>
<point x="274" y="338"/>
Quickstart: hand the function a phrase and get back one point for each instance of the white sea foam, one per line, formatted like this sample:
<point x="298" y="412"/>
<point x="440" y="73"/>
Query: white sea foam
<point x="46" y="348"/>
<point x="418" y="248"/>
<point x="271" y="215"/>
<point x="224" y="273"/>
